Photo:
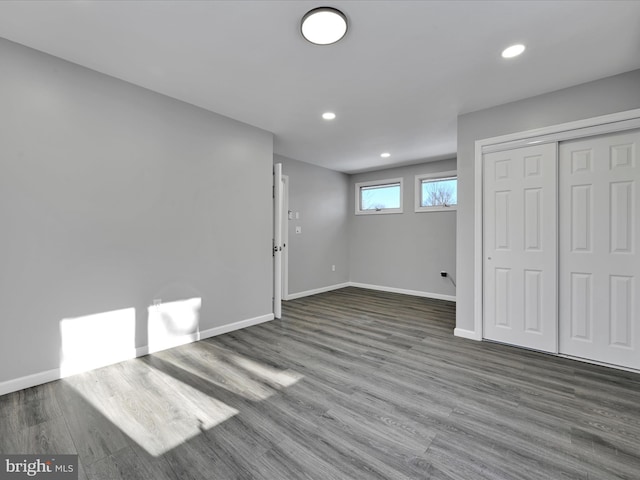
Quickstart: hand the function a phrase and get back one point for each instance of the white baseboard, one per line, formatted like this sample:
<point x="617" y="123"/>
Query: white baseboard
<point x="415" y="293"/>
<point x="28" y="381"/>
<point x="201" y="335"/>
<point x="175" y="342"/>
<point x="470" y="334"/>
<point x="315" y="291"/>
<point x="230" y="327"/>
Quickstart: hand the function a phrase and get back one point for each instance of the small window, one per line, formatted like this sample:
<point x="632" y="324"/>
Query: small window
<point x="437" y="192"/>
<point x="380" y="196"/>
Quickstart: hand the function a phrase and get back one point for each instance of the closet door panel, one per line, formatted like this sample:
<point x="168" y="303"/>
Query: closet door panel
<point x="520" y="244"/>
<point x="599" y="263"/>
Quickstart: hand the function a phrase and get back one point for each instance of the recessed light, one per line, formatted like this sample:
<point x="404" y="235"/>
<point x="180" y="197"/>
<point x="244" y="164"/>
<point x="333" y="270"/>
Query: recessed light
<point x="513" y="51"/>
<point x="385" y="155"/>
<point x="328" y="115"/>
<point x="324" y="25"/>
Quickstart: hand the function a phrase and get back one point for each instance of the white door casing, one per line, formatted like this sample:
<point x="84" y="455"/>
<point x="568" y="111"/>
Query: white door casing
<point x="599" y="264"/>
<point x="520" y="247"/>
<point x="285" y="237"/>
<point x="277" y="240"/>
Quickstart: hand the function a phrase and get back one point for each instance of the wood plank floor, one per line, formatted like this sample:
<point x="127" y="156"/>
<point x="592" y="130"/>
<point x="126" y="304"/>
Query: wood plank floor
<point x="351" y="384"/>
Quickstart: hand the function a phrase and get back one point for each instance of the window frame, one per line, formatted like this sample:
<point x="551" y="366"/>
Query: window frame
<point x="378" y="183"/>
<point x="434" y="177"/>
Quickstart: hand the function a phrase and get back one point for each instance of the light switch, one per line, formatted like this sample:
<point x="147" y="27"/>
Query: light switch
<point x="298" y="229"/>
<point x="297" y="215"/>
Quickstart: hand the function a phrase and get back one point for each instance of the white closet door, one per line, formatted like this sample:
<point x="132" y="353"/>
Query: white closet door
<point x="599" y="204"/>
<point x="520" y="247"/>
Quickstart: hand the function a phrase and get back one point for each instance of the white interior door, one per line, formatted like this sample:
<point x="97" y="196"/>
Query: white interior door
<point x="520" y="247"/>
<point x="277" y="239"/>
<point x="599" y="263"/>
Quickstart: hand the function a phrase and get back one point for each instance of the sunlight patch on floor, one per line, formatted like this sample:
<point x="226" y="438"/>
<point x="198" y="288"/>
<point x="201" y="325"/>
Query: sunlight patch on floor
<point x="282" y="378"/>
<point x="239" y="375"/>
<point x="154" y="409"/>
<point x="169" y="398"/>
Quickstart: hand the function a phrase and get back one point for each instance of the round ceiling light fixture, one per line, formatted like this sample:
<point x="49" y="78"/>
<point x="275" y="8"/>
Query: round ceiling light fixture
<point x="329" y="115"/>
<point x="323" y="25"/>
<point x="385" y="155"/>
<point x="513" y="51"/>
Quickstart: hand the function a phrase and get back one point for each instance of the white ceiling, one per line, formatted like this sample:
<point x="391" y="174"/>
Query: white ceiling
<point x="397" y="81"/>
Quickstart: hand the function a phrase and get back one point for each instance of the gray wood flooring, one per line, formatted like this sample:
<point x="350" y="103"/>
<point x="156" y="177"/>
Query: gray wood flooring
<point x="351" y="384"/>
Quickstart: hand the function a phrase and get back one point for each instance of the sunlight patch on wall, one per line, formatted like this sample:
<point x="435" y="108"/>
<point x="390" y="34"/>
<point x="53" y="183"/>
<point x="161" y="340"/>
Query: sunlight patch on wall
<point x="173" y="323"/>
<point x="97" y="340"/>
<point x="156" y="410"/>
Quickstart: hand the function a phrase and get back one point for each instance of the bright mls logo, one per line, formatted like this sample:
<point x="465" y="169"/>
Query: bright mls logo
<point x="49" y="467"/>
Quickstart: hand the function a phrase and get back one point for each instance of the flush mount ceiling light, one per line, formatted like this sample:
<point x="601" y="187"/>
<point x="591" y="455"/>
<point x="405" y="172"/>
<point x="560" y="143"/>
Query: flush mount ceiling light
<point x="324" y="25"/>
<point x="328" y="115"/>
<point x="513" y="51"/>
<point x="385" y="155"/>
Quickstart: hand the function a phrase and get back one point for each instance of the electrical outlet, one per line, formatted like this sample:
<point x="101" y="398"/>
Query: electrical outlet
<point x="298" y="229"/>
<point x="333" y="268"/>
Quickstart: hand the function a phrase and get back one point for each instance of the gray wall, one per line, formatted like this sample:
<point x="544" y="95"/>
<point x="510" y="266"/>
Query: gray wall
<point x="111" y="196"/>
<point x="609" y="95"/>
<point x="321" y="197"/>
<point x="408" y="250"/>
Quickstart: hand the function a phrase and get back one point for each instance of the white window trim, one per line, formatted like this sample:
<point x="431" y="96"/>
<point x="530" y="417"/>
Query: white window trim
<point x="418" y="191"/>
<point x="381" y="183"/>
